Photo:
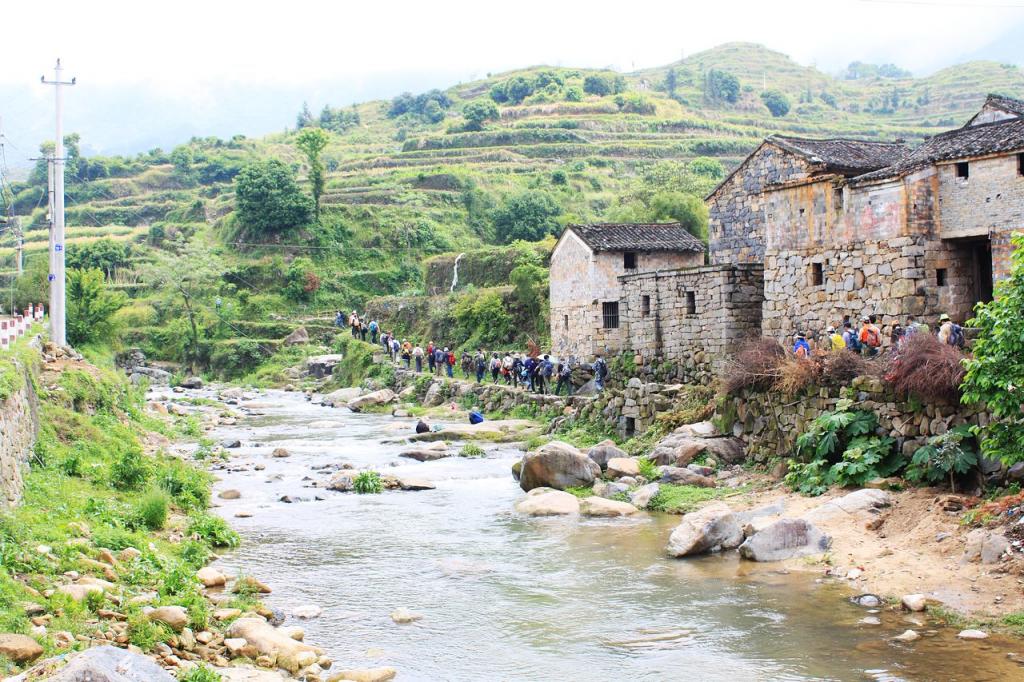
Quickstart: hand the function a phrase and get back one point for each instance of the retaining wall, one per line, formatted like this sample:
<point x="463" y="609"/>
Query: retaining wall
<point x="19" y="425"/>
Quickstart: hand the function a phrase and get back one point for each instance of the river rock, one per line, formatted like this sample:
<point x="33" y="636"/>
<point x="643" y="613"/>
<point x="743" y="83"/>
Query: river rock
<point x="623" y="466"/>
<point x="249" y="674"/>
<point x="557" y="465"/>
<point x="609" y="489"/>
<point x="434" y="395"/>
<point x="785" y="539"/>
<point x="604" y="451"/>
<point x="364" y="675"/>
<point x="907" y="636"/>
<point x="280" y="453"/>
<point x="231" y="494"/>
<point x="108" y="664"/>
<point x="914" y="602"/>
<point x="680" y="447"/>
<point x="231" y="443"/>
<point x="79" y="592"/>
<point x="307" y="611"/>
<point x="709" y="529"/>
<point x="684" y="476"/>
<point x="599" y="506"/>
<point x="380" y="397"/>
<point x="285" y="651"/>
<point x="341" y="482"/>
<point x="174" y="617"/>
<point x="428" y="452"/>
<point x="320" y="366"/>
<point x="409" y="483"/>
<point x="211" y="577"/>
<point x="972" y="634"/>
<point x="548" y="502"/>
<point x="496" y="431"/>
<point x="297" y="338"/>
<point x="865" y="501"/>
<point x="403" y="616"/>
<point x="704" y="429"/>
<point x="642" y="496"/>
<point x="19" y="648"/>
<point x="985" y="546"/>
<point x="340" y="397"/>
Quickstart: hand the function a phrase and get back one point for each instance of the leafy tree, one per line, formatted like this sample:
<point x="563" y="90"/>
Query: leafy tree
<point x="103" y="254"/>
<point x="517" y="89"/>
<point x="995" y="373"/>
<point x="302" y="282"/>
<point x="311" y="142"/>
<point x="338" y="120"/>
<point x="190" y="275"/>
<point x="478" y="112"/>
<point x="599" y="84"/>
<point x="529" y="215"/>
<point x="776" y="101"/>
<point x="305" y="117"/>
<point x="183" y="158"/>
<point x="91" y="306"/>
<point x="722" y="86"/>
<point x="707" y="167"/>
<point x="664" y="207"/>
<point x="530" y="284"/>
<point x="671" y="81"/>
<point x="574" y="94"/>
<point x="268" y="200"/>
<point x="829" y="99"/>
<point x="429" y="106"/>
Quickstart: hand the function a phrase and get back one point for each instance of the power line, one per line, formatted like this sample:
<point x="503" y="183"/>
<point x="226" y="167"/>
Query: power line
<point x="938" y="3"/>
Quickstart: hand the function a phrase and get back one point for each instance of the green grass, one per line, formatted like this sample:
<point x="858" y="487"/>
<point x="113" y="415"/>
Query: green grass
<point x="681" y="499"/>
<point x="648" y="469"/>
<point x="581" y="491"/>
<point x="471" y="450"/>
<point x="368" y="483"/>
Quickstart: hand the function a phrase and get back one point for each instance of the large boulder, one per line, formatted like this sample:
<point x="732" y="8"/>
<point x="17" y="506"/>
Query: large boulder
<point x="865" y="501"/>
<point x="785" y="539"/>
<point x="428" y="452"/>
<point x="623" y="466"/>
<point x="548" y="502"/>
<point x="434" y="395"/>
<point x="109" y="664"/>
<point x="600" y="506"/>
<point x="557" y="465"/>
<point x="684" y="476"/>
<point x="496" y="431"/>
<point x="174" y="617"/>
<point x="19" y="648"/>
<point x="155" y="375"/>
<point x="297" y="338"/>
<point x="320" y="366"/>
<point x="271" y="642"/>
<point x="341" y="397"/>
<point x="191" y="382"/>
<point x="604" y="451"/>
<point x="381" y="397"/>
<point x="642" y="496"/>
<point x="710" y="529"/>
<point x="985" y="546"/>
<point x="680" y="447"/>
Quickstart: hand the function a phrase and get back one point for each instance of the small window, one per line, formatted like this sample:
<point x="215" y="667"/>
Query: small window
<point x="940" y="277"/>
<point x="817" y="274"/>
<point x="963" y="170"/>
<point x="629" y="260"/>
<point x="1020" y="164"/>
<point x="565" y="322"/>
<point x="837" y="199"/>
<point x="802" y="211"/>
<point x="691" y="303"/>
<point x="610" y="313"/>
<point x="645" y="306"/>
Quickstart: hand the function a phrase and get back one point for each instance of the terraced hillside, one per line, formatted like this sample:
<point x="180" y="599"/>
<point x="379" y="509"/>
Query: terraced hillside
<point x="514" y="154"/>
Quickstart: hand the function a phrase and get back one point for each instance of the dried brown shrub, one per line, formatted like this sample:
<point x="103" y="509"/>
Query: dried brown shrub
<point x="796" y="374"/>
<point x="928" y="369"/>
<point x="840" y="367"/>
<point x="755" y="365"/>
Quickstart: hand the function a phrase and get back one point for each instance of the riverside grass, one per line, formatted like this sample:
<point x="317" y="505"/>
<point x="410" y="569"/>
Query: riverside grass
<point x="79" y="499"/>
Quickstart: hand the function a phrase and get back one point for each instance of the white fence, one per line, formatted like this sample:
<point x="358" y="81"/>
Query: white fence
<point x="13" y="326"/>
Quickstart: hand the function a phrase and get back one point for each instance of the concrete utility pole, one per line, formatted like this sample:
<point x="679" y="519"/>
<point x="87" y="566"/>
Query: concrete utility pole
<point x="20" y="236"/>
<point x="56" y="276"/>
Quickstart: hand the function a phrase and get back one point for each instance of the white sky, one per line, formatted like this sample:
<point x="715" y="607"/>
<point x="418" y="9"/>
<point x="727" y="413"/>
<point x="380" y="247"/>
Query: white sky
<point x="175" y="45"/>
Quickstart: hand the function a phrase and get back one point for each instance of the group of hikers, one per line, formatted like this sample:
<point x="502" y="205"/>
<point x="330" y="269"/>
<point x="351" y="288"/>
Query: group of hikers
<point x="867" y="339"/>
<point x="532" y="371"/>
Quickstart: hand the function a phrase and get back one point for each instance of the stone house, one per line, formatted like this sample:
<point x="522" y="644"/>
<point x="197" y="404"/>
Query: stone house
<point x="585" y="290"/>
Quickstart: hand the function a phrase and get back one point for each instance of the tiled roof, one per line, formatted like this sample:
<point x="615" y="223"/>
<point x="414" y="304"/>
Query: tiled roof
<point x="1007" y="104"/>
<point x="850" y="157"/>
<point x="637" y="237"/>
<point x="963" y="143"/>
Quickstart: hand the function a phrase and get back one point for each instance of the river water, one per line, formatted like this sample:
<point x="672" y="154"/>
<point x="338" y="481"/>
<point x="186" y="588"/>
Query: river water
<point x="511" y="598"/>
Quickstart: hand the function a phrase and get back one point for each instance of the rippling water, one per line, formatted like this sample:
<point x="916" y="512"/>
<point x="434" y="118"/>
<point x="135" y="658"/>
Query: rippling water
<point x="509" y="598"/>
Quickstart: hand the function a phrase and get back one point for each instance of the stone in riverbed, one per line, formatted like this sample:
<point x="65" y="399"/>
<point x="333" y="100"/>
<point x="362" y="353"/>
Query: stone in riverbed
<point x="907" y="636"/>
<point x="364" y="675"/>
<point x="609" y="490"/>
<point x="683" y="476"/>
<point x="548" y="502"/>
<point x="557" y="465"/>
<point x="231" y="443"/>
<point x="428" y="452"/>
<point x="174" y="617"/>
<point x="642" y="496"/>
<point x="381" y="397"/>
<point x="972" y="634"/>
<point x="231" y="494"/>
<point x="914" y="602"/>
<point x="710" y="529"/>
<point x="605" y="451"/>
<point x="307" y="611"/>
<point x="599" y="506"/>
<point x="280" y="452"/>
<point x="785" y="539"/>
<point x="415" y="484"/>
<point x="269" y="641"/>
<point x="211" y="577"/>
<point x="403" y="616"/>
<point x="19" y="648"/>
<point x="110" y="664"/>
<point x="623" y="466"/>
<point x="340" y="397"/>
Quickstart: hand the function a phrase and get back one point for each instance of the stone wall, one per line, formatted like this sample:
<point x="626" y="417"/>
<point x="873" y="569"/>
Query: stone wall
<point x="691" y="319"/>
<point x="769" y="423"/>
<point x="19" y="424"/>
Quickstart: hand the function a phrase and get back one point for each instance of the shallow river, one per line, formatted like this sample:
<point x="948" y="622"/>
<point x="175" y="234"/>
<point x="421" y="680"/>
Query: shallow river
<point x="510" y="598"/>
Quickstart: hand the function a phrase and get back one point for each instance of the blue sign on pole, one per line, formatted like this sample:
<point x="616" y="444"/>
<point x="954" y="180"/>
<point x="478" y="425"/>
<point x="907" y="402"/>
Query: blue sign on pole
<point x="58" y="247"/>
<point x="51" y="277"/>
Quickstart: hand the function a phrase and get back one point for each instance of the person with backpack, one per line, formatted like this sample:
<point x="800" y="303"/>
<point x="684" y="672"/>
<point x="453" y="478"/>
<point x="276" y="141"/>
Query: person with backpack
<point x="339" y="320"/>
<point x="870" y="337"/>
<point x="417" y="354"/>
<point x="439" y="356"/>
<point x="564" y="376"/>
<point x="395" y="347"/>
<point x="495" y="366"/>
<point x="406" y="353"/>
<point x="374" y="331"/>
<point x="835" y="340"/>
<point x="600" y="372"/>
<point x="449" y="363"/>
<point x="467" y="365"/>
<point x="546" y="371"/>
<point x="353" y="323"/>
<point x="801" y="348"/>
<point x="481" y="365"/>
<point x="850" y="338"/>
<point x="950" y="333"/>
<point x="530" y="365"/>
<point x="430" y="356"/>
<point x="385" y="341"/>
<point x="516" y="370"/>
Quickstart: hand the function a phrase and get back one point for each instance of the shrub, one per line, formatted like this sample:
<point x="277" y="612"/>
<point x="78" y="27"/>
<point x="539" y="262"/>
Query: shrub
<point x="471" y="450"/>
<point x="214" y="530"/>
<point x="91" y="306"/>
<point x="945" y="455"/>
<point x="199" y="673"/>
<point x="927" y="368"/>
<point x="130" y="470"/>
<point x="268" y="200"/>
<point x="189" y="486"/>
<point x="722" y="85"/>
<point x="367" y="483"/>
<point x="114" y="538"/>
<point x="648" y="469"/>
<point x="776" y="102"/>
<point x="796" y="374"/>
<point x="841" y="366"/>
<point x="694" y="403"/>
<point x="755" y="365"/>
<point x="152" y="509"/>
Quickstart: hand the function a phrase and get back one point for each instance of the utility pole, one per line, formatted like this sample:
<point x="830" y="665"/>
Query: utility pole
<point x="56" y="276"/>
<point x="20" y="236"/>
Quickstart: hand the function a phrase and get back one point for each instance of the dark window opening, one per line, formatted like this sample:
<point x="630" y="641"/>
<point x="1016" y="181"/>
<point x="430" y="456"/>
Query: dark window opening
<point x="610" y="313"/>
<point x="629" y="260"/>
<point x="963" y="170"/>
<point x="691" y="303"/>
<point x="940" y="277"/>
<point x="565" y="321"/>
<point x="837" y="198"/>
<point x="801" y="211"/>
<point x="630" y="426"/>
<point x="817" y="274"/>
<point x="645" y="306"/>
<point x="1020" y="164"/>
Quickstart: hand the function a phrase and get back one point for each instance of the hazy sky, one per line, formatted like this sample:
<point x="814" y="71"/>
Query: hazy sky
<point x="160" y="71"/>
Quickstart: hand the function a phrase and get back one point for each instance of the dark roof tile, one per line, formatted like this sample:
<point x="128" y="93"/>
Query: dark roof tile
<point x="637" y="237"/>
<point x="850" y="157"/>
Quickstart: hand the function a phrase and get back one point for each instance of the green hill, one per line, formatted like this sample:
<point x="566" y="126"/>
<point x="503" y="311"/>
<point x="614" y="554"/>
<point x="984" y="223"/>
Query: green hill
<point x="412" y="179"/>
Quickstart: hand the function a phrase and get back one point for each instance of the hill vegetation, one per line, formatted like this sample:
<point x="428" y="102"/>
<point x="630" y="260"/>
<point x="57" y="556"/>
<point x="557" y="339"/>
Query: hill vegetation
<point x="353" y="202"/>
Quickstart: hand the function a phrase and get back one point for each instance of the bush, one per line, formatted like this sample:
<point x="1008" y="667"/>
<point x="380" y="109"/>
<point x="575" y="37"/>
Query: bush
<point x="152" y="509"/>
<point x="214" y="530"/>
<point x="928" y="369"/>
<point x="796" y="375"/>
<point x="187" y="485"/>
<point x="648" y="469"/>
<point x="945" y="455"/>
<point x="755" y="366"/>
<point x="529" y="215"/>
<point x="91" y="307"/>
<point x="471" y="450"/>
<point x="776" y="101"/>
<point x="268" y="200"/>
<point x="130" y="470"/>
<point x="199" y="673"/>
<point x="722" y="85"/>
<point x="841" y="366"/>
<point x="367" y="483"/>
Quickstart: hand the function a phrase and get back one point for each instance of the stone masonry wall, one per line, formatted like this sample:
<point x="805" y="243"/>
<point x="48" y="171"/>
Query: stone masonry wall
<point x="19" y="424"/>
<point x="769" y="423"/>
<point x="660" y="326"/>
